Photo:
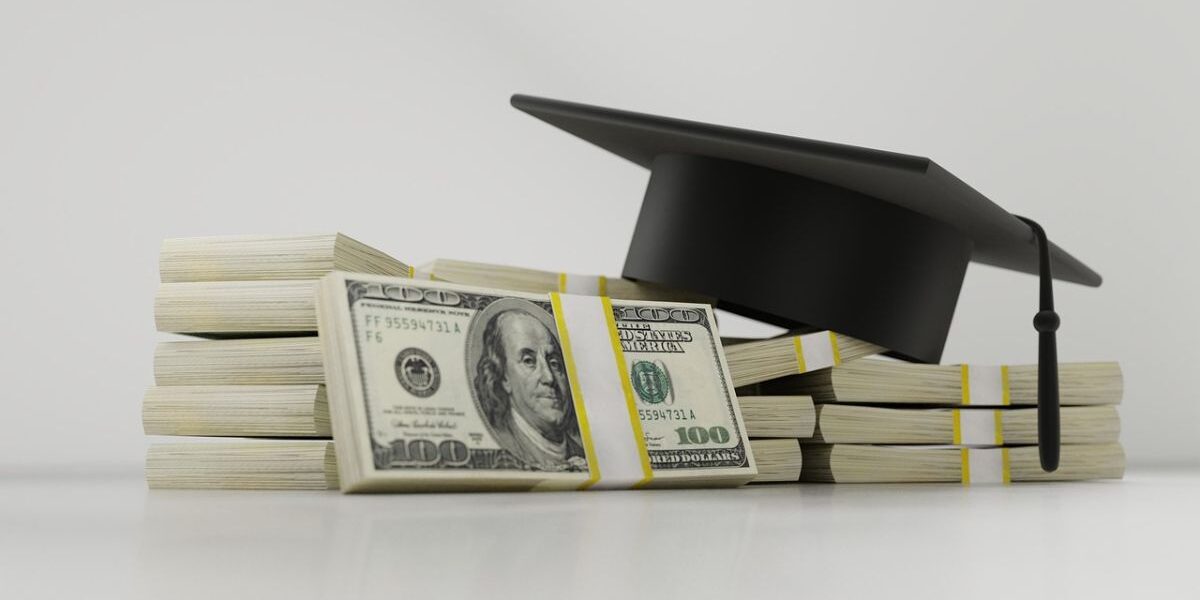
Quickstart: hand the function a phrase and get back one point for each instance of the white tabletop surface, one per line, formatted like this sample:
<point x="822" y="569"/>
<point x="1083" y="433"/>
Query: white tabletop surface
<point x="106" y="536"/>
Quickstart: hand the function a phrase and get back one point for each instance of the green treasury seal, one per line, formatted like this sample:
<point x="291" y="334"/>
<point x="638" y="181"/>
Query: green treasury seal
<point x="652" y="382"/>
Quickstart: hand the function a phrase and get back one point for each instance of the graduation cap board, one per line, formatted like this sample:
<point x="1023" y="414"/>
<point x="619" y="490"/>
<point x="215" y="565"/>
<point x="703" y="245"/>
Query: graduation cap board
<point x="871" y="244"/>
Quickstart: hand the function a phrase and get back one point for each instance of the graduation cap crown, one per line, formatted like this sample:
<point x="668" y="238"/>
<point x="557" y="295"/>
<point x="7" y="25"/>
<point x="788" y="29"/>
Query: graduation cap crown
<point x="804" y="233"/>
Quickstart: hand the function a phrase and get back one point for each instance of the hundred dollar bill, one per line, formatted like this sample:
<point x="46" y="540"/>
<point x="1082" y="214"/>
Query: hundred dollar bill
<point x="681" y="386"/>
<point x="437" y="386"/>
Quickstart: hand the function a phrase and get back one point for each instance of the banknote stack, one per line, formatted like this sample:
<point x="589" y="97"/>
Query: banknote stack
<point x="251" y="366"/>
<point x="887" y="421"/>
<point x="255" y="370"/>
<point x="418" y="376"/>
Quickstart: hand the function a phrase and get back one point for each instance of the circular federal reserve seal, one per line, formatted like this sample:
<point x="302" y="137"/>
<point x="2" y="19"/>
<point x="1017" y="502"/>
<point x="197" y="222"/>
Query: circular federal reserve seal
<point x="417" y="372"/>
<point x="651" y="381"/>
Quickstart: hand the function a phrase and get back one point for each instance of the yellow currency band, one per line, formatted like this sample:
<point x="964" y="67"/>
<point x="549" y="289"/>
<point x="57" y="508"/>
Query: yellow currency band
<point x="837" y="354"/>
<point x="957" y="427"/>
<point x="601" y="284"/>
<point x="998" y="415"/>
<point x="1006" y="468"/>
<point x="585" y="430"/>
<point x="1004" y="383"/>
<point x="799" y="353"/>
<point x="627" y="386"/>
<point x="966" y="386"/>
<point x="1006" y="398"/>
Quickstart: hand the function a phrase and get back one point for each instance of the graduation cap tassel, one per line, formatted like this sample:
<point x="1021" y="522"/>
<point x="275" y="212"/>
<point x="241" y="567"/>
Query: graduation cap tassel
<point x="1046" y="322"/>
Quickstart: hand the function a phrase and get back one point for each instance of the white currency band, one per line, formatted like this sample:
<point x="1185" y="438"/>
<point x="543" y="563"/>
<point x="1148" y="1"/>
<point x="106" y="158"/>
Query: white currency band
<point x="587" y="285"/>
<point x="977" y="427"/>
<point x="986" y="466"/>
<point x="986" y="385"/>
<point x="616" y="451"/>
<point x="817" y="350"/>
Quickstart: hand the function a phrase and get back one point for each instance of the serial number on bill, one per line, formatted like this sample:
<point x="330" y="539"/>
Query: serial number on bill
<point x="378" y="322"/>
<point x="666" y="414"/>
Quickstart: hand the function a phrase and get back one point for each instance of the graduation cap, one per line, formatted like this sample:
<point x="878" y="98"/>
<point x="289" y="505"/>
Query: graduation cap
<point x="803" y="233"/>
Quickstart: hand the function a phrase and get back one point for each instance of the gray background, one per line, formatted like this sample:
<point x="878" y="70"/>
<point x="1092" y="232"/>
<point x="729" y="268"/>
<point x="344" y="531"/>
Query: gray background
<point x="122" y="123"/>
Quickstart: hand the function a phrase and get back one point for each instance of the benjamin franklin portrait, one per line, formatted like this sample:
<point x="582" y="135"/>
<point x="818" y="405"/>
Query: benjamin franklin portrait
<point x="520" y="383"/>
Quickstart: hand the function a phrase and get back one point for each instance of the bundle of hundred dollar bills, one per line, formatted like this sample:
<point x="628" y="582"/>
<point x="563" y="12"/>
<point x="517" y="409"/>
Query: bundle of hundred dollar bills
<point x="467" y="376"/>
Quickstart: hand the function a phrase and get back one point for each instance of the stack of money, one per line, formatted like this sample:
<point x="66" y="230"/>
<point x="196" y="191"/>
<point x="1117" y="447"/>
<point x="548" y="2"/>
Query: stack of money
<point x="244" y="286"/>
<point x="886" y="421"/>
<point x="255" y="368"/>
<point x="254" y="373"/>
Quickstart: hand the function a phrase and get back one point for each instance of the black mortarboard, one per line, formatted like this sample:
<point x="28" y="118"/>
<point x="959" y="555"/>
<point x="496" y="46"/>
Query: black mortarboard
<point x="803" y="233"/>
